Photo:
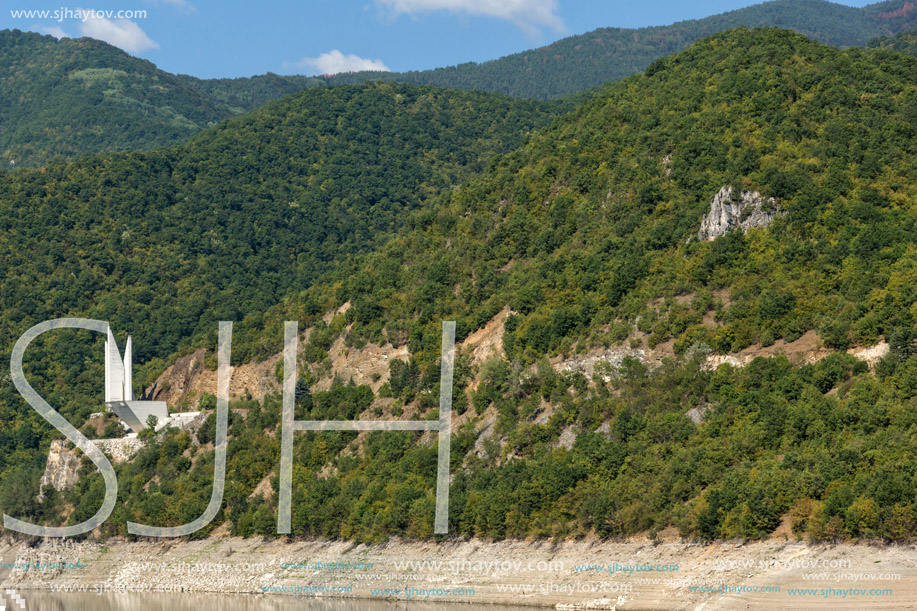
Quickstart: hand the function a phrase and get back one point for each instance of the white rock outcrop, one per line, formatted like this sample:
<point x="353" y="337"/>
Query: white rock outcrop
<point x="61" y="470"/>
<point x="120" y="449"/>
<point x="730" y="208"/>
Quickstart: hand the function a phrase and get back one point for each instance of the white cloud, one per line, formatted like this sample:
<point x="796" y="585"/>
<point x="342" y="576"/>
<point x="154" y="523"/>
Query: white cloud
<point x="334" y="62"/>
<point x="56" y="32"/>
<point x="528" y="15"/>
<point x="122" y="33"/>
<point x="182" y="5"/>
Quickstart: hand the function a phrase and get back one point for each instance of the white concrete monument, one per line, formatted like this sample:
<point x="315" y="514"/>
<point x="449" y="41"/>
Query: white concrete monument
<point x="119" y="392"/>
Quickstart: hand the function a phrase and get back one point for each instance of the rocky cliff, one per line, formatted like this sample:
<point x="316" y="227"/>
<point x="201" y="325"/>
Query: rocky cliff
<point x="61" y="470"/>
<point x="731" y="208"/>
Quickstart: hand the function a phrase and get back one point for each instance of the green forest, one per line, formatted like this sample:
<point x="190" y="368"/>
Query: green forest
<point x="584" y="61"/>
<point x="164" y="244"/>
<point x="903" y="42"/>
<point x="70" y="97"/>
<point x="584" y="224"/>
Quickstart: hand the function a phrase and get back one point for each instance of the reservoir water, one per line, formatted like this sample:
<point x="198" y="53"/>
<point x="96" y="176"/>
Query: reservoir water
<point x="37" y="600"/>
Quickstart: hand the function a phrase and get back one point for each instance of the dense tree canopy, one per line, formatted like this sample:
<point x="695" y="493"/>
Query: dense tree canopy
<point x="70" y="97"/>
<point x="903" y="42"/>
<point x="584" y="61"/>
<point x="74" y="96"/>
<point x="164" y="244"/>
<point x="588" y="232"/>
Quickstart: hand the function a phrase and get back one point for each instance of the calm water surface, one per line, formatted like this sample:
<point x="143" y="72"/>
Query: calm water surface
<point x="50" y="601"/>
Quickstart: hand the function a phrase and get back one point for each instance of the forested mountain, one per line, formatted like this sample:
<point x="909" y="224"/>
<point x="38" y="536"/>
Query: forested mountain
<point x="165" y="243"/>
<point x="244" y="212"/>
<point x="240" y="95"/>
<point x="589" y="233"/>
<point x="608" y="54"/>
<point x="71" y="97"/>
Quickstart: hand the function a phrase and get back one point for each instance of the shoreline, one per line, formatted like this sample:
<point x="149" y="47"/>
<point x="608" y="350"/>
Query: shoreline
<point x="636" y="574"/>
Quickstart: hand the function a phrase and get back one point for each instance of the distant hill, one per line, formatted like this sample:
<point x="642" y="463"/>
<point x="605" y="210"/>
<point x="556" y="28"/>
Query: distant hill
<point x="581" y="62"/>
<point x="75" y="96"/>
<point x="71" y="97"/>
<point x="240" y="95"/>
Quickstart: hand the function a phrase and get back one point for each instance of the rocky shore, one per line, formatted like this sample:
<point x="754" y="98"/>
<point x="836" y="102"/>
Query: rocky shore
<point x="636" y="574"/>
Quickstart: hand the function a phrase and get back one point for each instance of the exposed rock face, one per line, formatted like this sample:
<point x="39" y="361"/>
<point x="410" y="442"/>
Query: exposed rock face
<point x="122" y="449"/>
<point x="227" y="565"/>
<point x="60" y="472"/>
<point x="182" y="383"/>
<point x="567" y="438"/>
<point x="63" y="463"/>
<point x="731" y="209"/>
<point x="368" y="365"/>
<point x="698" y="414"/>
<point x="487" y="341"/>
<point x="606" y="361"/>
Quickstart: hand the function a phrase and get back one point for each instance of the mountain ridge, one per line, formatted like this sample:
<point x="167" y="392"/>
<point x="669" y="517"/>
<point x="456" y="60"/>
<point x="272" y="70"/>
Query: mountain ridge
<point x="608" y="54"/>
<point x="71" y="97"/>
<point x="80" y="102"/>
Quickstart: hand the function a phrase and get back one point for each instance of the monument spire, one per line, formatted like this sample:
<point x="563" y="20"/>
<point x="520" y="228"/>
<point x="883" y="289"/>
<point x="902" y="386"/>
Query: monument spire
<point x="119" y="388"/>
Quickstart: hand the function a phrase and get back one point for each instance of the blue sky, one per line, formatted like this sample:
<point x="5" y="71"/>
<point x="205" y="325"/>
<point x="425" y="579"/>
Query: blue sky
<point x="213" y="38"/>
